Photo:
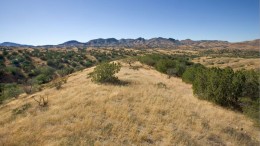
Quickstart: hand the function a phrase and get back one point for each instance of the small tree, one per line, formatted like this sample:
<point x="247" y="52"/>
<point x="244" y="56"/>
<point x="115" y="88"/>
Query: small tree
<point x="105" y="72"/>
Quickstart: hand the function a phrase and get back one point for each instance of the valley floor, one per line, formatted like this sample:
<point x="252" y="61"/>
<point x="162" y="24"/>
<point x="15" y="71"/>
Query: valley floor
<point x="149" y="110"/>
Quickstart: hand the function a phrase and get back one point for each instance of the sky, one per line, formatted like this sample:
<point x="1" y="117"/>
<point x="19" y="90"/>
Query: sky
<point x="42" y="22"/>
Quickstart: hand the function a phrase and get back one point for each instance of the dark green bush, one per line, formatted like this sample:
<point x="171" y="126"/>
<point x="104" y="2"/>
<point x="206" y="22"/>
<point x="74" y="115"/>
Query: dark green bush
<point x="150" y="59"/>
<point x="42" y="79"/>
<point x="190" y="73"/>
<point x="171" y="65"/>
<point x="105" y="72"/>
<point x="10" y="90"/>
<point x="251" y="108"/>
<point x="164" y="64"/>
<point x="224" y="86"/>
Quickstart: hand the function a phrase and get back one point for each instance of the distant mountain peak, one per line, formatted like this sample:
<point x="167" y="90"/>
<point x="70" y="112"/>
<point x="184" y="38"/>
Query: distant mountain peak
<point x="11" y="44"/>
<point x="71" y="43"/>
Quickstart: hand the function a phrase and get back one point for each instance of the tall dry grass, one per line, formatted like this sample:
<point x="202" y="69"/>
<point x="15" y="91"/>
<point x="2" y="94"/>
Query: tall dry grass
<point x="235" y="63"/>
<point x="139" y="113"/>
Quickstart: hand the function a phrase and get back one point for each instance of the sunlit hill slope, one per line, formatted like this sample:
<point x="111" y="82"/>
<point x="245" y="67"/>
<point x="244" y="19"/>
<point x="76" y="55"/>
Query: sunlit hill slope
<point x="149" y="109"/>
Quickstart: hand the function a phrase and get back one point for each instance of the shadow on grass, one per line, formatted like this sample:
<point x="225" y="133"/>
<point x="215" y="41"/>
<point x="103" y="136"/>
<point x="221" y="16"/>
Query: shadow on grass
<point x="115" y="82"/>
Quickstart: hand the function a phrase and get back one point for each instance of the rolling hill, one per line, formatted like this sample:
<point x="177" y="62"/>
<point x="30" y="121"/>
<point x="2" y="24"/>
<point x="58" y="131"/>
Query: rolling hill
<point x="159" y="42"/>
<point x="149" y="109"/>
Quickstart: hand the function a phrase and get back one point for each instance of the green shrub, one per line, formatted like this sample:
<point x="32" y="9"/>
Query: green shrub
<point x="57" y="83"/>
<point x="10" y="90"/>
<point x="62" y="72"/>
<point x="105" y="72"/>
<point x="42" y="78"/>
<point x="150" y="59"/>
<point x="15" y="72"/>
<point x="251" y="108"/>
<point x="30" y="86"/>
<point x="224" y="86"/>
<point x="163" y="64"/>
<point x="88" y="64"/>
<point x="190" y="73"/>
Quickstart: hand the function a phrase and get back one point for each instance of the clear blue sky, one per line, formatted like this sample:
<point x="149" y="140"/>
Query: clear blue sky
<point x="40" y="22"/>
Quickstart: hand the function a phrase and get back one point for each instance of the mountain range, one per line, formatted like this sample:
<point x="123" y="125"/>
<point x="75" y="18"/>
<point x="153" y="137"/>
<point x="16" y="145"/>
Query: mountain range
<point x="11" y="44"/>
<point x="149" y="43"/>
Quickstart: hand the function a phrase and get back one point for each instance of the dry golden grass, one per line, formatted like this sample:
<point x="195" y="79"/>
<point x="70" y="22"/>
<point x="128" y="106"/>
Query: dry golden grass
<point x="235" y="63"/>
<point x="139" y="113"/>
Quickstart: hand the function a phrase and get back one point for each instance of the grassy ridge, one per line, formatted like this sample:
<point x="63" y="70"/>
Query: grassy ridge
<point x="236" y="90"/>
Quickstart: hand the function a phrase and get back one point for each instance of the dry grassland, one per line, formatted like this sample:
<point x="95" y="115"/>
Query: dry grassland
<point x="142" y="112"/>
<point x="235" y="63"/>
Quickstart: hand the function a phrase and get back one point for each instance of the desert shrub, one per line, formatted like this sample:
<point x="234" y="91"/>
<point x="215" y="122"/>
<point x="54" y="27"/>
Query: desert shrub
<point x="150" y="59"/>
<point x="1" y="93"/>
<point x="161" y="85"/>
<point x="105" y="72"/>
<point x="57" y="83"/>
<point x="190" y="73"/>
<point x="163" y="64"/>
<point x="251" y="84"/>
<point x="2" y="57"/>
<point x="180" y="68"/>
<point x="135" y="67"/>
<point x="15" y="72"/>
<point x="5" y="53"/>
<point x="238" y="90"/>
<point x="31" y="86"/>
<point x="171" y="72"/>
<point x="55" y="63"/>
<point x="44" y="75"/>
<point x="251" y="108"/>
<point x="10" y="90"/>
<point x="47" y="70"/>
<point x="215" y="85"/>
<point x="42" y="78"/>
<point x="22" y="109"/>
<point x="65" y="71"/>
<point x="88" y="64"/>
<point x="130" y="60"/>
<point x="74" y="64"/>
<point x="172" y="65"/>
<point x="27" y="66"/>
<point x="34" y="72"/>
<point x="42" y="100"/>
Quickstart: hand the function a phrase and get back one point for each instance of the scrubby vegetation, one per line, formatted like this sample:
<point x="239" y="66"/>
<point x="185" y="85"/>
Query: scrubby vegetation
<point x="152" y="110"/>
<point x="172" y="65"/>
<point x="231" y="53"/>
<point x="26" y="70"/>
<point x="236" y="90"/>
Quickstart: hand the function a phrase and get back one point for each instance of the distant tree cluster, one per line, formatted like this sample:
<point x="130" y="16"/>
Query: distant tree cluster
<point x="170" y="65"/>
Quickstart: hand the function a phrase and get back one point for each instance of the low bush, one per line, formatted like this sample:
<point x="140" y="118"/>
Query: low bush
<point x="57" y="83"/>
<point x="22" y="109"/>
<point x="105" y="72"/>
<point x="8" y="91"/>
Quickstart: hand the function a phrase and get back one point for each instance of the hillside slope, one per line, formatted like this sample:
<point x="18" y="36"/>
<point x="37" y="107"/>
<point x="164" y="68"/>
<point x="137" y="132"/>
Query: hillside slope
<point x="141" y="112"/>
